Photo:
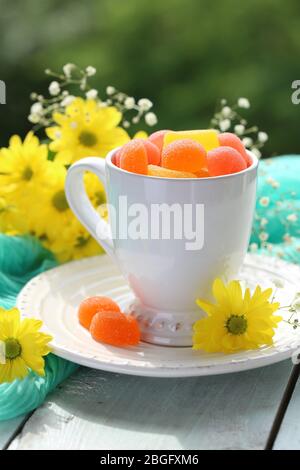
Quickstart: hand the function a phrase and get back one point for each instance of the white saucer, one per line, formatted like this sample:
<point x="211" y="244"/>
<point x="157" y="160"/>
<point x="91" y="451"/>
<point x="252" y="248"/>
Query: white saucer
<point x="54" y="297"/>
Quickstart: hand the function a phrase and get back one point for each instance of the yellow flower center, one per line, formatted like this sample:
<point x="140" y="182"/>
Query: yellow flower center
<point x="59" y="201"/>
<point x="100" y="198"/>
<point x="12" y="348"/>
<point x="27" y="173"/>
<point x="81" y="241"/>
<point x="88" y="139"/>
<point x="237" y="324"/>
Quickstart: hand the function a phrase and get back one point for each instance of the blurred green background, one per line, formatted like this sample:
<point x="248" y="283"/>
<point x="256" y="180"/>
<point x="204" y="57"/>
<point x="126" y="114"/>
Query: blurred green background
<point x="182" y="54"/>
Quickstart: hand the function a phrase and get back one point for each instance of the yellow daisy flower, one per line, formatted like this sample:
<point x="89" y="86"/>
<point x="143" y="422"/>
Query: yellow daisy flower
<point x="12" y="220"/>
<point x="22" y="344"/>
<point x="24" y="170"/>
<point x="74" y="243"/>
<point x="236" y="322"/>
<point x="85" y="129"/>
<point x="53" y="212"/>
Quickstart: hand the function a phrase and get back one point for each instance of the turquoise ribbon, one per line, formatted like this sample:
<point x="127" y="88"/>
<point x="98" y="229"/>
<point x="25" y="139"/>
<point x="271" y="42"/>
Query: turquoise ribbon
<point x="22" y="258"/>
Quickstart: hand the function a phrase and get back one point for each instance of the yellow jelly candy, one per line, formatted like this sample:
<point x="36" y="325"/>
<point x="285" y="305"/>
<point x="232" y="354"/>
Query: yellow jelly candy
<point x="154" y="170"/>
<point x="208" y="138"/>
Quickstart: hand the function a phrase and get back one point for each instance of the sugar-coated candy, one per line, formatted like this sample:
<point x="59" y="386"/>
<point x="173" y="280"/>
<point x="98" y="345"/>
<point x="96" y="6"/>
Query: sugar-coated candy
<point x="92" y="305"/>
<point x="153" y="153"/>
<point x="157" y="138"/>
<point x="117" y="156"/>
<point x="231" y="140"/>
<point x="154" y="170"/>
<point x="133" y="157"/>
<point x="224" y="161"/>
<point x="184" y="155"/>
<point x="208" y="138"/>
<point x="116" y="329"/>
<point x="203" y="173"/>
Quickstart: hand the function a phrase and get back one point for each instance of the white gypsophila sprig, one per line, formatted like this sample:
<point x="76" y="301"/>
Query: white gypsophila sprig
<point x="59" y="97"/>
<point x="41" y="112"/>
<point x="228" y="118"/>
<point x="133" y="111"/>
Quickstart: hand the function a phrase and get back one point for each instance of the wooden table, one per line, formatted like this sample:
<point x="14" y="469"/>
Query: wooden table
<point x="101" y="410"/>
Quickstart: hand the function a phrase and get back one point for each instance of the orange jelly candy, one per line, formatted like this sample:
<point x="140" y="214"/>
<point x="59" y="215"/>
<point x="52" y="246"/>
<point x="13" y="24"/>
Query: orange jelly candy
<point x="224" y="161"/>
<point x="184" y="155"/>
<point x="157" y="138"/>
<point x="231" y="140"/>
<point x="154" y="170"/>
<point x="133" y="157"/>
<point x="92" y="305"/>
<point x="153" y="153"/>
<point x="116" y="329"/>
<point x="203" y="173"/>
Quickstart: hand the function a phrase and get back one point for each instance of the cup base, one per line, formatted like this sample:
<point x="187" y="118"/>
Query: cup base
<point x="164" y="328"/>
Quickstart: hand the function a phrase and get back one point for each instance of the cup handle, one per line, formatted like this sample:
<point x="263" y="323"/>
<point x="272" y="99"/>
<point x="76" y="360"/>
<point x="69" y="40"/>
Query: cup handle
<point x="81" y="205"/>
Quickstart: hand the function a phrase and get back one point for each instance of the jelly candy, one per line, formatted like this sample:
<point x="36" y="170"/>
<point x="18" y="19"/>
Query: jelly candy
<point x="157" y="138"/>
<point x="115" y="328"/>
<point x="208" y="138"/>
<point x="184" y="155"/>
<point x="154" y="170"/>
<point x="225" y="160"/>
<point x="92" y="305"/>
<point x="133" y="157"/>
<point x="153" y="153"/>
<point x="203" y="173"/>
<point x="231" y="140"/>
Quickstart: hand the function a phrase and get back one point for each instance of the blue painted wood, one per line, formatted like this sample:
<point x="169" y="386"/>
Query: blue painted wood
<point x="7" y="429"/>
<point x="99" y="410"/>
<point x="289" y="434"/>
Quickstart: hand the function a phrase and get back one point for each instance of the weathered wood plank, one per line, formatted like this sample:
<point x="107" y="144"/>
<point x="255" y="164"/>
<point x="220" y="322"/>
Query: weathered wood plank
<point x="7" y="429"/>
<point x="289" y="434"/>
<point x="98" y="410"/>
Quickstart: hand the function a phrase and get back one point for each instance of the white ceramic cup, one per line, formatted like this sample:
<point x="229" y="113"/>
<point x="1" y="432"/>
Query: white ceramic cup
<point x="164" y="275"/>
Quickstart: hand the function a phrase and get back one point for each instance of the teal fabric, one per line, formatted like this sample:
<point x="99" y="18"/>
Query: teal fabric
<point x="279" y="181"/>
<point x="22" y="258"/>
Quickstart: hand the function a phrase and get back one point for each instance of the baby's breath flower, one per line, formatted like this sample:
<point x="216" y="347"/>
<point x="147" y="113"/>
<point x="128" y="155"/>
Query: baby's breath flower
<point x="247" y="141"/>
<point x="129" y="102"/>
<point x="54" y="88"/>
<point x="256" y="152"/>
<point x="253" y="247"/>
<point x="91" y="94"/>
<point x="150" y="119"/>
<point x="264" y="201"/>
<point x="68" y="69"/>
<point x="262" y="137"/>
<point x="145" y="104"/>
<point x="90" y="71"/>
<point x="110" y="90"/>
<point x="243" y="103"/>
<point x="292" y="217"/>
<point x="36" y="108"/>
<point x="224" y="125"/>
<point x="135" y="119"/>
<point x="34" y="118"/>
<point x="239" y="129"/>
<point x="126" y="124"/>
<point x="263" y="222"/>
<point x="287" y="238"/>
<point x="275" y="184"/>
<point x="263" y="236"/>
<point x="67" y="100"/>
<point x="226" y="111"/>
